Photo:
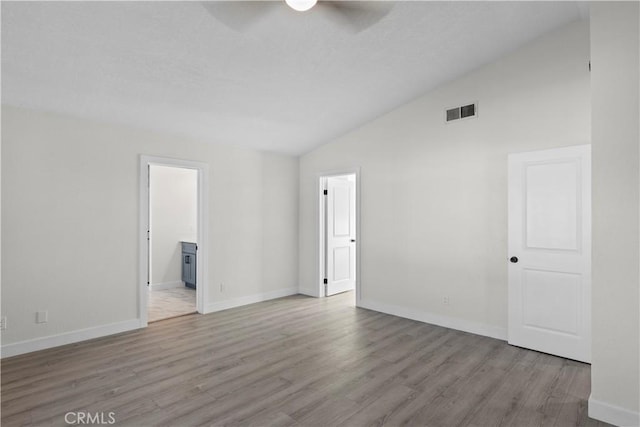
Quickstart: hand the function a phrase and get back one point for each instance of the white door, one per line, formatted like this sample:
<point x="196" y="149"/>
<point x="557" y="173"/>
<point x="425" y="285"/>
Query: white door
<point x="341" y="234"/>
<point x="550" y="251"/>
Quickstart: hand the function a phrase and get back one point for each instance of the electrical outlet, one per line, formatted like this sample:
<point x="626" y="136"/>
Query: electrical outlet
<point x="445" y="300"/>
<point x="42" y="316"/>
<point x="3" y="323"/>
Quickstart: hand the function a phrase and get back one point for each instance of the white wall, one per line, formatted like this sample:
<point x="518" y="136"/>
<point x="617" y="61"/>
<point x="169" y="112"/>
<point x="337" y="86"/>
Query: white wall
<point x="174" y="219"/>
<point x="70" y="223"/>
<point x="615" y="57"/>
<point x="434" y="195"/>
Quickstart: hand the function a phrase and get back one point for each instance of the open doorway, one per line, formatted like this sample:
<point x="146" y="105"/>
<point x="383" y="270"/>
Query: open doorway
<point x="173" y="216"/>
<point x="173" y="235"/>
<point x="339" y="232"/>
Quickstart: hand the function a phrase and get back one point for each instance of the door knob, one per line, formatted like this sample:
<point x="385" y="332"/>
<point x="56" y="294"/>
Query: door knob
<point x="353" y="240"/>
<point x="514" y="259"/>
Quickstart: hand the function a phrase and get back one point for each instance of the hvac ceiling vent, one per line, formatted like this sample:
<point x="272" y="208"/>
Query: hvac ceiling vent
<point x="464" y="112"/>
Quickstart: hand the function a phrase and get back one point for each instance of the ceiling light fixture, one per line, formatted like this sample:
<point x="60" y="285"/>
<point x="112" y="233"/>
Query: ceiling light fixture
<point x="301" y="5"/>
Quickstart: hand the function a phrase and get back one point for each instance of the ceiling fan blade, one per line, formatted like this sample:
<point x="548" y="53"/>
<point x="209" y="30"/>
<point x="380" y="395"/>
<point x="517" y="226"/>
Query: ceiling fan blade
<point x="239" y="15"/>
<point x="358" y="15"/>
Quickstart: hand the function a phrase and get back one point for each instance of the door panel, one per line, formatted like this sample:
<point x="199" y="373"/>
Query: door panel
<point x="550" y="301"/>
<point x="341" y="210"/>
<point x="340" y="227"/>
<point x="552" y="217"/>
<point x="550" y="235"/>
<point x="341" y="264"/>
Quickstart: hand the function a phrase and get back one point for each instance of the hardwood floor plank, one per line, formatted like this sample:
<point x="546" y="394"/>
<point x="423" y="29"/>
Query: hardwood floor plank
<point x="508" y="399"/>
<point x="230" y="403"/>
<point x="276" y="419"/>
<point x="168" y="303"/>
<point x="377" y="411"/>
<point x="296" y="361"/>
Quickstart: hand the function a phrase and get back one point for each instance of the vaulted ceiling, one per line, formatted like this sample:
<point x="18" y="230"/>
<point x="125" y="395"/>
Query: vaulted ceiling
<point x="288" y="82"/>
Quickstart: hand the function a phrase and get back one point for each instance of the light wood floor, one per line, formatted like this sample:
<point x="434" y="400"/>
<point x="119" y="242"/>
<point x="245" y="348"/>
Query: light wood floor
<point x="296" y="361"/>
<point x="168" y="303"/>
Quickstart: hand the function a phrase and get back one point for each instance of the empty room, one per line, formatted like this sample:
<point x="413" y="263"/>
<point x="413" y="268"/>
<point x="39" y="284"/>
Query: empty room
<point x="320" y="213"/>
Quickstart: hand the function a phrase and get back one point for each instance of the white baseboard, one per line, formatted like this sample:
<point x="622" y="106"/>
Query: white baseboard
<point x="436" y="319"/>
<point x="165" y="285"/>
<point x="309" y="292"/>
<point x="613" y="414"/>
<point x="36" y="344"/>
<point x="250" y="299"/>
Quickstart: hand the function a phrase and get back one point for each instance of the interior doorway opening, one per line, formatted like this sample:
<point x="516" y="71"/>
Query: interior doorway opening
<point x="339" y="234"/>
<point x="173" y="237"/>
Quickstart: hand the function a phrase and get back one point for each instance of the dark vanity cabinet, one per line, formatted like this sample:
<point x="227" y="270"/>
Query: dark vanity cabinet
<point x="189" y="264"/>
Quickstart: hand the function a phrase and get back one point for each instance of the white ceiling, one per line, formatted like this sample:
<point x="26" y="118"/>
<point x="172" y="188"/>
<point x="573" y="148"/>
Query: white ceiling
<point x="289" y="83"/>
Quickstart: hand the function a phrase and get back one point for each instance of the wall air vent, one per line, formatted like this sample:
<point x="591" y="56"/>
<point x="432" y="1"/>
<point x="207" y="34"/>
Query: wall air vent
<point x="464" y="112"/>
<point x="453" y="114"/>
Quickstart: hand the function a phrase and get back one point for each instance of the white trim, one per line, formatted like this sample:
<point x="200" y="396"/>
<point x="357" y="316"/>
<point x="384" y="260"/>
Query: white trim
<point x="50" y="341"/>
<point x="436" y="319"/>
<point x="613" y="414"/>
<point x="319" y="220"/>
<point x="249" y="299"/>
<point x="203" y="230"/>
<point x="322" y="237"/>
<point x="309" y="292"/>
<point x="166" y="285"/>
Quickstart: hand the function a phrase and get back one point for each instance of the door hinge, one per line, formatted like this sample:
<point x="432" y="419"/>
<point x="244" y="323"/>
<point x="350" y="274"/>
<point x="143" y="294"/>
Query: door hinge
<point x="148" y="233"/>
<point x="325" y="281"/>
<point x="326" y="192"/>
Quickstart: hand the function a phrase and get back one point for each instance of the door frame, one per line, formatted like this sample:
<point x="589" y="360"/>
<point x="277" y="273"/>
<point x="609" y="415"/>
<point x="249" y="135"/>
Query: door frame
<point x="202" y="273"/>
<point x="320" y="228"/>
